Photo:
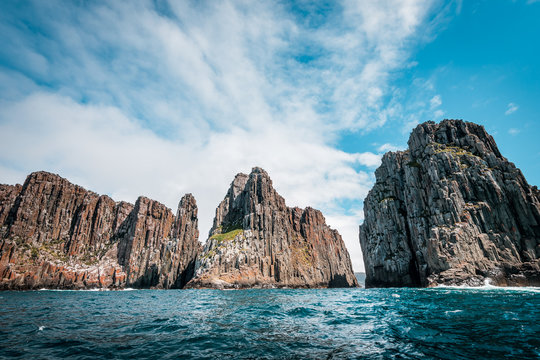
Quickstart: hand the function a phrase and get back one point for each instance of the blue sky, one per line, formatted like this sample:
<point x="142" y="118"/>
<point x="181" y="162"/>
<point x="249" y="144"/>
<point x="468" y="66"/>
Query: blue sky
<point x="163" y="98"/>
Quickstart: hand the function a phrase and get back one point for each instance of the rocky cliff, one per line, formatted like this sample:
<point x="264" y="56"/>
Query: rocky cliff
<point x="257" y="241"/>
<point x="58" y="235"/>
<point x="450" y="210"/>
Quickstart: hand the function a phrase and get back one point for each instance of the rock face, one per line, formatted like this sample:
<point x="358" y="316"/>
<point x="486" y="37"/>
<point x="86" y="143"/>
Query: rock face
<point x="58" y="235"/>
<point x="450" y="210"/>
<point x="257" y="241"/>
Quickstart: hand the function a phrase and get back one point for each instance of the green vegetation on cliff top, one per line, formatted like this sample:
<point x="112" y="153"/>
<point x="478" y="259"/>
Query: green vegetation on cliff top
<point x="227" y="236"/>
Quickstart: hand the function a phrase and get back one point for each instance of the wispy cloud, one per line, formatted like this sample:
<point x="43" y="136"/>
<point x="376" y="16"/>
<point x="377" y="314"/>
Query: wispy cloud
<point x="434" y="105"/>
<point x="512" y="108"/>
<point x="387" y="147"/>
<point x="368" y="159"/>
<point x="163" y="98"/>
<point x="435" y="101"/>
<point x="411" y="104"/>
<point x="514" y="131"/>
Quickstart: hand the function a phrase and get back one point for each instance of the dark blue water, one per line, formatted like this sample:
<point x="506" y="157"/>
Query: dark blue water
<point x="251" y="324"/>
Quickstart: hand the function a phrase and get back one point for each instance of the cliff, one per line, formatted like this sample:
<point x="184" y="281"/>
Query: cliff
<point x="257" y="241"/>
<point x="450" y="210"/>
<point x="58" y="235"/>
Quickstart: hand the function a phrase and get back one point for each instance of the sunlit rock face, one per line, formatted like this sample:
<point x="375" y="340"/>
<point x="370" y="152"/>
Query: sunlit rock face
<point x="55" y="234"/>
<point x="450" y="210"/>
<point x="257" y="241"/>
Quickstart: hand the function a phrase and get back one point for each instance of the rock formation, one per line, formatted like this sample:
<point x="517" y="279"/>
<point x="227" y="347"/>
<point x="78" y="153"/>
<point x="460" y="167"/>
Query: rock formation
<point x="257" y="241"/>
<point x="58" y="235"/>
<point x="450" y="210"/>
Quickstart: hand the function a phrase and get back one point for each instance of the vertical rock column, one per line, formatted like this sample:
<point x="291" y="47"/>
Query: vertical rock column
<point x="56" y="234"/>
<point x="257" y="241"/>
<point x="450" y="210"/>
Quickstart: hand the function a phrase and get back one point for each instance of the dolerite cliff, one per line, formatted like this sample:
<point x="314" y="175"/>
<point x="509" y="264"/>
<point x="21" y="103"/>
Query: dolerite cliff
<point x="450" y="210"/>
<point x="58" y="235"/>
<point x="257" y="241"/>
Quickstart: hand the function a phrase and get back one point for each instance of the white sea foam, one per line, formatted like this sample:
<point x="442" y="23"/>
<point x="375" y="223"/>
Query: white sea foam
<point x="488" y="286"/>
<point x="41" y="328"/>
<point x="395" y="295"/>
<point x="94" y="289"/>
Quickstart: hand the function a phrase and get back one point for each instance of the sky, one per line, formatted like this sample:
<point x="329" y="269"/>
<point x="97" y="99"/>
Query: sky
<point x="162" y="98"/>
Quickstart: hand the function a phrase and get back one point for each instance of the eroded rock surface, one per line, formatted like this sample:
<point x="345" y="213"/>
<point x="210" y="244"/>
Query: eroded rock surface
<point x="58" y="235"/>
<point x="257" y="241"/>
<point x="450" y="210"/>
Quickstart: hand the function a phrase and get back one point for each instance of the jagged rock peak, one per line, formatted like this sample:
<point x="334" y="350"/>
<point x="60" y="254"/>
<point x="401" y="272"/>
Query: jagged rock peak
<point x="187" y="201"/>
<point x="450" y="210"/>
<point x="45" y="176"/>
<point x="459" y="133"/>
<point x="55" y="234"/>
<point x="257" y="241"/>
<point x="258" y="171"/>
<point x="246" y="193"/>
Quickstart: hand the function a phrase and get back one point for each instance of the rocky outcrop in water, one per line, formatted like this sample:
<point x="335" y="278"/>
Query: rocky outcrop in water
<point x="58" y="235"/>
<point x="450" y="210"/>
<point x="257" y="241"/>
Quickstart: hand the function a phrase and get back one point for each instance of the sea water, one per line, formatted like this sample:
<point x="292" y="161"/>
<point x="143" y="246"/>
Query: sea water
<point x="438" y="323"/>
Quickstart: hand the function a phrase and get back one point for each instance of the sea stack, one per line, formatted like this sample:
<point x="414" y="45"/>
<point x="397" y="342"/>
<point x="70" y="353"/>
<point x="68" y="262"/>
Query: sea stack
<point x="55" y="234"/>
<point x="450" y="210"/>
<point x="257" y="241"/>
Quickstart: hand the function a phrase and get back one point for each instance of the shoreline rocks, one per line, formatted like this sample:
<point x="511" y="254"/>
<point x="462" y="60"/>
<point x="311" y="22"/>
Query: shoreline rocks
<point x="450" y="210"/>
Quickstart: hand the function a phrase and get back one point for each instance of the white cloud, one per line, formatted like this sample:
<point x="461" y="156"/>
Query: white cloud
<point x="438" y="114"/>
<point x="349" y="228"/>
<point x="130" y="100"/>
<point x="413" y="106"/>
<point x="388" y="147"/>
<point x="511" y="109"/>
<point x="379" y="39"/>
<point x="368" y="159"/>
<point x="435" y="101"/>
<point x="513" y="131"/>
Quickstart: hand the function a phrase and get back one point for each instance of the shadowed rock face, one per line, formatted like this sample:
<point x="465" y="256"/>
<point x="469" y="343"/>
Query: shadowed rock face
<point x="450" y="210"/>
<point x="58" y="235"/>
<point x="257" y="241"/>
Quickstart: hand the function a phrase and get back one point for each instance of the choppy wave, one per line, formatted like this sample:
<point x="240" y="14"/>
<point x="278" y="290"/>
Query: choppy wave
<point x="437" y="323"/>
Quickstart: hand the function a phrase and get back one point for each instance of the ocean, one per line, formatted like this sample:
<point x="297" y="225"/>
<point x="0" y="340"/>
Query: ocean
<point x="438" y="323"/>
